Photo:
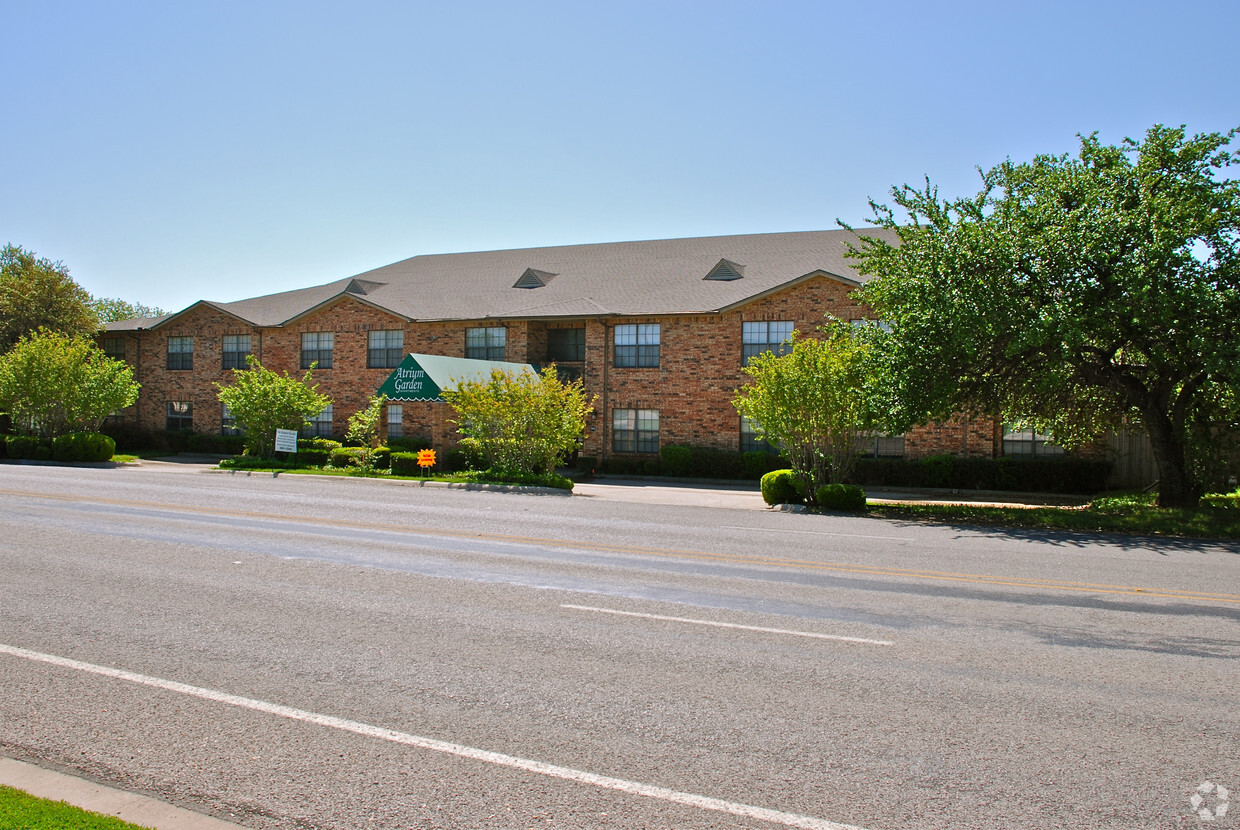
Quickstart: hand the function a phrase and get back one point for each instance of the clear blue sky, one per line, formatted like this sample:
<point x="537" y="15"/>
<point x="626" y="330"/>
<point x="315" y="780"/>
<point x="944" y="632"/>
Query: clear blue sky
<point x="173" y="151"/>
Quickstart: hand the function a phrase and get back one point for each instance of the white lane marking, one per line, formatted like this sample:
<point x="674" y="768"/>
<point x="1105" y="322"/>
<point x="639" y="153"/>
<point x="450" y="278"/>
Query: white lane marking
<point x="733" y="625"/>
<point x="822" y="533"/>
<point x="567" y="773"/>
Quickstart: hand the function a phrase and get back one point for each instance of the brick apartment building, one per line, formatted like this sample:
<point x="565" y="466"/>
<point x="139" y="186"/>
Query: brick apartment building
<point x="658" y="330"/>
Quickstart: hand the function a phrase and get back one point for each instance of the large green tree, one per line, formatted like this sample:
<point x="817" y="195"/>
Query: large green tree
<point x="520" y="424"/>
<point x="111" y="309"/>
<point x="52" y="384"/>
<point x="1077" y="291"/>
<point x="38" y="293"/>
<point x="262" y="401"/>
<point x="815" y="401"/>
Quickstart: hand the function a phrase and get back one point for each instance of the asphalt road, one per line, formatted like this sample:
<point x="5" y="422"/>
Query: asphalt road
<point x="296" y="652"/>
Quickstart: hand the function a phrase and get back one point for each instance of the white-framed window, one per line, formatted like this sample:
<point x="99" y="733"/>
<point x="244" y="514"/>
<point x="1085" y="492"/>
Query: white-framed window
<point x="635" y="430"/>
<point x="881" y="446"/>
<point x="765" y="336"/>
<point x="236" y="350"/>
<point x="1021" y="441"/>
<point x="180" y="416"/>
<point x="395" y="419"/>
<point x="637" y="345"/>
<point x="386" y="349"/>
<point x="486" y="342"/>
<point x="180" y="353"/>
<point x="750" y="442"/>
<point x="228" y="423"/>
<point x="320" y="425"/>
<point x="316" y="347"/>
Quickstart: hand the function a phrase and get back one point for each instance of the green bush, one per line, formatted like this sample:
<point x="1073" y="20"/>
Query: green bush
<point x="409" y="444"/>
<point x="83" y="446"/>
<point x="781" y="487"/>
<point x="535" y="479"/>
<point x="381" y="458"/>
<point x="325" y="444"/>
<point x="209" y="444"/>
<point x="313" y="457"/>
<point x="455" y="460"/>
<point x="755" y="464"/>
<point x="21" y="446"/>
<point x="405" y="464"/>
<point x="587" y="463"/>
<point x="847" y="497"/>
<point x="1069" y="474"/>
<point x="677" y="460"/>
<point x="251" y="462"/>
<point x="347" y="457"/>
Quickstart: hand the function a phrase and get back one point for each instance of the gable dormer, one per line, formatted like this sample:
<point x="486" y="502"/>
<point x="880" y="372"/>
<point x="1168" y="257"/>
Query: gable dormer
<point x="725" y="271"/>
<point x="533" y="278"/>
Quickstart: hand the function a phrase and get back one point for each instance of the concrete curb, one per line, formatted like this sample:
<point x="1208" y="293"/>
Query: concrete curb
<point x="528" y="489"/>
<point x="130" y="807"/>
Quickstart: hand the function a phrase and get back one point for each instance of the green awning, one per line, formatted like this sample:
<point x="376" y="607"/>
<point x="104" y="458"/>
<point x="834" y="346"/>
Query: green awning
<point x="423" y="377"/>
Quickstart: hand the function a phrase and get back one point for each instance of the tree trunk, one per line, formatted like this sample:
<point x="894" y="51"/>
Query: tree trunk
<point x="1175" y="487"/>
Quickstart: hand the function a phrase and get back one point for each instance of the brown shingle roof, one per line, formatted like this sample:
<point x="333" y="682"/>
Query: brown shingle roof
<point x="623" y="278"/>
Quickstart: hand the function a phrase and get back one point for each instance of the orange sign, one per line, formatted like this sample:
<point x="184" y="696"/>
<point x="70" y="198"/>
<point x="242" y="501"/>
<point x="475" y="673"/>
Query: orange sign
<point x="426" y="458"/>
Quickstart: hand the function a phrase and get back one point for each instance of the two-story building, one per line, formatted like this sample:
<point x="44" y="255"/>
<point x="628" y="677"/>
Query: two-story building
<point x="658" y="330"/>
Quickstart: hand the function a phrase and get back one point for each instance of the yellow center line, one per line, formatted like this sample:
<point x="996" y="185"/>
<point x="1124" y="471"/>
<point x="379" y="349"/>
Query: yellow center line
<point x="704" y="556"/>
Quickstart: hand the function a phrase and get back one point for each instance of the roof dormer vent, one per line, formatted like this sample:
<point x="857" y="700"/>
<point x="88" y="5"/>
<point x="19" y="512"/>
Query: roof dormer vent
<point x="533" y="278"/>
<point x="726" y="271"/>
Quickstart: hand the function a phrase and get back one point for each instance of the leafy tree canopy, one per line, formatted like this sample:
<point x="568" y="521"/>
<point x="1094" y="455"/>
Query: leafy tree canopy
<point x="52" y="384"/>
<point x="1075" y="291"/>
<point x="815" y="401"/>
<point x="109" y="309"/>
<point x="262" y="401"/>
<point x="521" y="425"/>
<point x="38" y="293"/>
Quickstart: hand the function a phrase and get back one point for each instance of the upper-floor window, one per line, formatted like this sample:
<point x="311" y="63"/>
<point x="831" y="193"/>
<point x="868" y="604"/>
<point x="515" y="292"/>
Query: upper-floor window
<point x="316" y="347"/>
<point x="487" y="343"/>
<point x="765" y="336"/>
<point x="637" y="345"/>
<point x="236" y="350"/>
<point x="566" y="345"/>
<point x="113" y="347"/>
<point x="386" y="349"/>
<point x="180" y="353"/>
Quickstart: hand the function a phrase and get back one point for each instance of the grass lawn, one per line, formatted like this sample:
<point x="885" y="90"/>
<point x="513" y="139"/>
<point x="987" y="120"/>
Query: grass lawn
<point x="1218" y="517"/>
<point x="22" y="811"/>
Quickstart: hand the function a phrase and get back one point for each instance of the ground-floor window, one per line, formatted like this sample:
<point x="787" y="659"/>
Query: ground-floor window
<point x="750" y="442"/>
<point x="635" y="430"/>
<point x="881" y="446"/>
<point x="395" y="416"/>
<point x="228" y="423"/>
<point x="180" y="416"/>
<point x="1023" y="442"/>
<point x="321" y="424"/>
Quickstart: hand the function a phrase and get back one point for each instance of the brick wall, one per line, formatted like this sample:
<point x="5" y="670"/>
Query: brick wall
<point x="692" y="388"/>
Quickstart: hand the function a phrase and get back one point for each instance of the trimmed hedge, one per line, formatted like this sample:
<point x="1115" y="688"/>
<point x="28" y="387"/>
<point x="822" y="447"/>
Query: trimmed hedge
<point x="687" y="461"/>
<point x="24" y="446"/>
<point x="347" y="457"/>
<point x="781" y="487"/>
<point x="405" y="464"/>
<point x="83" y="446"/>
<point x="313" y="457"/>
<point x="1073" y="475"/>
<point x="847" y="497"/>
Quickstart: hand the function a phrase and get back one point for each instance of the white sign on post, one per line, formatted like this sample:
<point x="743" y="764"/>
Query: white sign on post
<point x="286" y="440"/>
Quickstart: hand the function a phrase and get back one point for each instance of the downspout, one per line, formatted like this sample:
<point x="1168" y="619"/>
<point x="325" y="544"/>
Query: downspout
<point x="606" y="387"/>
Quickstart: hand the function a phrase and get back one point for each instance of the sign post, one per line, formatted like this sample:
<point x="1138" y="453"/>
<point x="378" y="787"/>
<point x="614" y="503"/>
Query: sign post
<point x="426" y="460"/>
<point x="286" y="440"/>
